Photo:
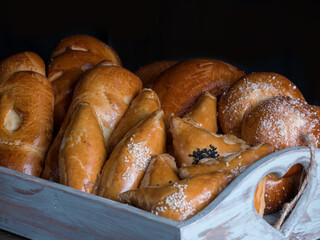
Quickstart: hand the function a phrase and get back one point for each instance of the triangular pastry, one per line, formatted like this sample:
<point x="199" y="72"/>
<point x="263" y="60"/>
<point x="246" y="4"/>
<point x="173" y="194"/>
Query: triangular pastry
<point x="204" y="113"/>
<point x="236" y="163"/>
<point x="141" y="106"/>
<point x="128" y="161"/>
<point x="180" y="200"/>
<point x="162" y="170"/>
<point x="191" y="143"/>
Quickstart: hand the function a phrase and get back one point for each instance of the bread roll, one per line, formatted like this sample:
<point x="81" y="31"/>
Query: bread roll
<point x="180" y="86"/>
<point x="26" y="113"/>
<point x="71" y="58"/>
<point x="281" y="121"/>
<point x="248" y="92"/>
<point x="100" y="100"/>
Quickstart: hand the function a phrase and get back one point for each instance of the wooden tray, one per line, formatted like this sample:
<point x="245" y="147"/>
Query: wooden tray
<point x="39" y="209"/>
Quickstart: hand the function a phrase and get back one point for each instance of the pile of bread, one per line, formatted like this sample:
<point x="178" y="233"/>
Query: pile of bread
<point x="167" y="138"/>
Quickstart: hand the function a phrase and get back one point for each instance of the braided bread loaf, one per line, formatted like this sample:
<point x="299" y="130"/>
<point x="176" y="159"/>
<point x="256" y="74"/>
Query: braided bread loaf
<point x="26" y="113"/>
<point x="99" y="102"/>
<point x="71" y="58"/>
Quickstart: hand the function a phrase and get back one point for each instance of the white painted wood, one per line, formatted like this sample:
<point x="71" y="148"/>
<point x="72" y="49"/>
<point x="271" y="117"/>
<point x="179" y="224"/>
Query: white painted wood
<point x="39" y="209"/>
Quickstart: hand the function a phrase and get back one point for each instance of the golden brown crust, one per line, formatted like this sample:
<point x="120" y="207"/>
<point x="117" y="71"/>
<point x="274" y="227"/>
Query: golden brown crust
<point x="150" y="71"/>
<point x="204" y="112"/>
<point x="26" y="113"/>
<point x="162" y="170"/>
<point x="83" y="135"/>
<point x="180" y="86"/>
<point x="141" y="106"/>
<point x="278" y="191"/>
<point x="281" y="121"/>
<point x="181" y="200"/>
<point x="259" y="197"/>
<point x="71" y="59"/>
<point x="24" y="61"/>
<point x="316" y="109"/>
<point x="188" y="138"/>
<point x="235" y="163"/>
<point x="248" y="92"/>
<point x="127" y="163"/>
<point x="108" y="90"/>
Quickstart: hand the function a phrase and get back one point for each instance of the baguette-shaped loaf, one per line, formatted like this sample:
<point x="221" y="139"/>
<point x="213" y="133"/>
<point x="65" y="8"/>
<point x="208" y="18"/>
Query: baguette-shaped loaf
<point x="100" y="100"/>
<point x="70" y="59"/>
<point x="26" y="113"/>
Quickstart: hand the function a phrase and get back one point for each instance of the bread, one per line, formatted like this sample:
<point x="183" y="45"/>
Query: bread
<point x="281" y="121"/>
<point x="192" y="143"/>
<point x="180" y="86"/>
<point x="161" y="170"/>
<point x="204" y="112"/>
<point x="280" y="190"/>
<point x="141" y="106"/>
<point x="149" y="72"/>
<point x="235" y="163"/>
<point x="26" y="113"/>
<point x="70" y="59"/>
<point x="180" y="200"/>
<point x="128" y="161"/>
<point x="79" y="150"/>
<point x="248" y="92"/>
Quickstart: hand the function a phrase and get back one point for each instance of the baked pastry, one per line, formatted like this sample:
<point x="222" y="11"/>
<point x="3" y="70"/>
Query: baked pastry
<point x="281" y="121"/>
<point x="141" y="106"/>
<point x="26" y="113"/>
<point x="235" y="163"/>
<point x="192" y="143"/>
<point x="161" y="170"/>
<point x="70" y="59"/>
<point x="149" y="72"/>
<point x="180" y="200"/>
<point x="128" y="161"/>
<point x="204" y="113"/>
<point x="99" y="102"/>
<point x="180" y="86"/>
<point x="248" y="92"/>
<point x="280" y="190"/>
<point x="316" y="109"/>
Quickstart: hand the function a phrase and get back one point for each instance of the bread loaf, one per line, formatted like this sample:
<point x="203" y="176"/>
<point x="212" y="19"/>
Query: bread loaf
<point x="70" y="59"/>
<point x="26" y="113"/>
<point x="99" y="102"/>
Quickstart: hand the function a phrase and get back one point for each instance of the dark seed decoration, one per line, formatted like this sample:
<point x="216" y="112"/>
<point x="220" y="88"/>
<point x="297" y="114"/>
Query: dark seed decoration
<point x="204" y="153"/>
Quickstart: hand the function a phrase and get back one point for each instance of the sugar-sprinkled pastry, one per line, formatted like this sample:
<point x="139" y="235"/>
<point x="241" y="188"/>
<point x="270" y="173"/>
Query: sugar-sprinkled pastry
<point x="129" y="160"/>
<point x="246" y="93"/>
<point x="180" y="200"/>
<point x="281" y="121"/>
<point x="141" y="106"/>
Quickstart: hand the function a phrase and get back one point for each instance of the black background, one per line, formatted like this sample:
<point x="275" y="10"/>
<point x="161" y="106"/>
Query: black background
<point x="275" y="36"/>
